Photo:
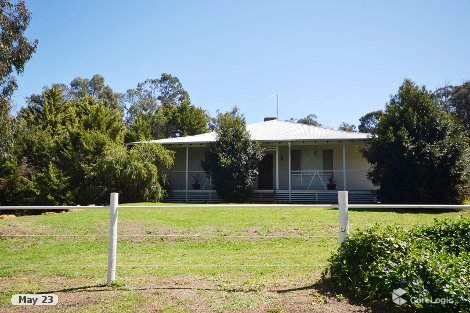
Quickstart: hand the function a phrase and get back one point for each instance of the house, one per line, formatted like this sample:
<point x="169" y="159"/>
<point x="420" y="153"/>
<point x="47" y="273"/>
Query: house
<point x="299" y="160"/>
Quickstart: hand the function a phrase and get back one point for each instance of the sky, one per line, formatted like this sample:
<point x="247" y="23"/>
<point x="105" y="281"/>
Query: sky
<point x="336" y="59"/>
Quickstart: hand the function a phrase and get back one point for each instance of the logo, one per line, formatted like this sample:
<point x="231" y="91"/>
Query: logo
<point x="397" y="296"/>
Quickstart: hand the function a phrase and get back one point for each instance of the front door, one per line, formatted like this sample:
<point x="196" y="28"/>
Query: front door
<point x="265" y="176"/>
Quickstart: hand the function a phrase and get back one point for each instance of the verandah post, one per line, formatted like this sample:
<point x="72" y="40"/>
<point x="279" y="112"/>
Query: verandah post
<point x="113" y="220"/>
<point x="343" y="216"/>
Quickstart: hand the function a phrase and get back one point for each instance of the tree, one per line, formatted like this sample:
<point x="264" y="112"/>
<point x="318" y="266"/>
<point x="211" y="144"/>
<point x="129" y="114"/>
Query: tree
<point x="71" y="150"/>
<point x="184" y="119"/>
<point x="443" y="96"/>
<point x="368" y="122"/>
<point x="97" y="89"/>
<point x="171" y="90"/>
<point x="460" y="101"/>
<point x="418" y="151"/>
<point x="16" y="50"/>
<point x="232" y="161"/>
<point x="310" y="119"/>
<point x="135" y="173"/>
<point x="456" y="100"/>
<point x="347" y="127"/>
<point x="153" y="93"/>
<point x="142" y="128"/>
<point x="161" y="108"/>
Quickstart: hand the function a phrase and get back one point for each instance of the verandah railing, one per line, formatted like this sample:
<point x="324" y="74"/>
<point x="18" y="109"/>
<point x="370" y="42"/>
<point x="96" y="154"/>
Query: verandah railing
<point x="320" y="180"/>
<point x="300" y="180"/>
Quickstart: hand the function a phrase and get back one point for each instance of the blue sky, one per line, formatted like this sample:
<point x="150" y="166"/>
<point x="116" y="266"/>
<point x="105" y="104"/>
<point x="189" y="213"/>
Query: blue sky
<point x="337" y="59"/>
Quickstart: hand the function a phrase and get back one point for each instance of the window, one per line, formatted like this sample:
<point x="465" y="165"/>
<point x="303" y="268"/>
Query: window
<point x="295" y="160"/>
<point x="328" y="160"/>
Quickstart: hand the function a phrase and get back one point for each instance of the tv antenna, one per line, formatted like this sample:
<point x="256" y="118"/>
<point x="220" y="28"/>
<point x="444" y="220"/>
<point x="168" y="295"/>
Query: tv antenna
<point x="277" y="104"/>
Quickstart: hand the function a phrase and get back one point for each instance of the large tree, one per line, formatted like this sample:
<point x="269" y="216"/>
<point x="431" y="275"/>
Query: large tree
<point x="153" y="93"/>
<point x="97" y="89"/>
<point x="418" y="151"/>
<point x="368" y="122"/>
<point x="310" y="119"/>
<point x="232" y="161"/>
<point x="456" y="100"/>
<point x="161" y="108"/>
<point x="15" y="51"/>
<point x="347" y="127"/>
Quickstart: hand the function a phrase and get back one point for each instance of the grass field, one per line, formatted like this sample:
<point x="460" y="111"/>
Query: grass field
<point x="183" y="260"/>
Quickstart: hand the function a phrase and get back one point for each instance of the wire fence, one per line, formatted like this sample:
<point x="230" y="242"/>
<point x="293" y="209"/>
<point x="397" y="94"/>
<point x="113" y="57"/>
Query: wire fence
<point x="342" y="231"/>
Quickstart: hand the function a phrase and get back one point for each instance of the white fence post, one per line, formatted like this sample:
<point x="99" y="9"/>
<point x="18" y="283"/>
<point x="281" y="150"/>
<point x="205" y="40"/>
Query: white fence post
<point x="343" y="216"/>
<point x="113" y="220"/>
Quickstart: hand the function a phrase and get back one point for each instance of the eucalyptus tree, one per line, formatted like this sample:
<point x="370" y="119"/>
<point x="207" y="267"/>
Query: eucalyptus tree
<point x="16" y="51"/>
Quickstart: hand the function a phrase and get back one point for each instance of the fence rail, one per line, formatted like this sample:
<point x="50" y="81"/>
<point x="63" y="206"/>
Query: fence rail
<point x="343" y="229"/>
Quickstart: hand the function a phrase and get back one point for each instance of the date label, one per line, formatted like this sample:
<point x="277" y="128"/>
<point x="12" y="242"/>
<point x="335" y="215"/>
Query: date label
<point x="35" y="299"/>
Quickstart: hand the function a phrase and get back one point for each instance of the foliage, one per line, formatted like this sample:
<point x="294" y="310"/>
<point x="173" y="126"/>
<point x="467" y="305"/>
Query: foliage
<point x="418" y="151"/>
<point x="456" y="100"/>
<point x="151" y="93"/>
<point x="142" y="128"/>
<point x="183" y="119"/>
<point x="15" y="182"/>
<point x="97" y="89"/>
<point x="161" y="108"/>
<point x="310" y="119"/>
<point x="428" y="262"/>
<point x="134" y="173"/>
<point x="347" y="127"/>
<point x="368" y="122"/>
<point x="16" y="50"/>
<point x="232" y="161"/>
<point x="64" y="147"/>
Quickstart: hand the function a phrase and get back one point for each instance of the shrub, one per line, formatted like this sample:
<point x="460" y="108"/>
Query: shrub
<point x="428" y="262"/>
<point x="232" y="161"/>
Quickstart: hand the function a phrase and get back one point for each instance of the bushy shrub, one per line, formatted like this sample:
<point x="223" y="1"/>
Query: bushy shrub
<point x="232" y="161"/>
<point x="428" y="262"/>
<point x="418" y="152"/>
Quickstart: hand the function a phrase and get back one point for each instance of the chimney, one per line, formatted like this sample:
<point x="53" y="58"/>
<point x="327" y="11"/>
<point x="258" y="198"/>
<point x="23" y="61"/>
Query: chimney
<point x="267" y="119"/>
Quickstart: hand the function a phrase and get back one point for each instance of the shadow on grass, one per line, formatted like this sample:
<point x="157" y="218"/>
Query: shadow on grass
<point x="92" y="288"/>
<point x="326" y="289"/>
<point x="323" y="288"/>
<point x="408" y="211"/>
<point x="104" y="287"/>
<point x="403" y="211"/>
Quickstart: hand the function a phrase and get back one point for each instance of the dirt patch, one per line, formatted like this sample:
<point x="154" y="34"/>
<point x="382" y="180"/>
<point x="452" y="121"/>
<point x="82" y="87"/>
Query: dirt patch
<point x="179" y="293"/>
<point x="17" y="229"/>
<point x="254" y="230"/>
<point x="7" y="216"/>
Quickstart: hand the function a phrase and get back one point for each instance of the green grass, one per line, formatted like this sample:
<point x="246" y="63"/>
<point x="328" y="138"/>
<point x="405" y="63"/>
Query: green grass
<point x="234" y="249"/>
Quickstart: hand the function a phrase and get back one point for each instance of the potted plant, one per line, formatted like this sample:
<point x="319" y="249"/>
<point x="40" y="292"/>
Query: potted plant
<point x="196" y="184"/>
<point x="331" y="183"/>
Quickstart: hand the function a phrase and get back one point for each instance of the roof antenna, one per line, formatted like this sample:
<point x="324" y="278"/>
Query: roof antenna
<point x="277" y="104"/>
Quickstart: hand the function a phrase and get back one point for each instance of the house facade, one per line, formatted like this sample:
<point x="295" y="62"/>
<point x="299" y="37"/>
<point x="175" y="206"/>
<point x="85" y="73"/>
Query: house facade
<point x="301" y="163"/>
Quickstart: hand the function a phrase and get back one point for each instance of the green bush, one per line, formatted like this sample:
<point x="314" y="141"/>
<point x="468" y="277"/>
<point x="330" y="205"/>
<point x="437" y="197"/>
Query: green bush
<point x="428" y="262"/>
<point x="232" y="161"/>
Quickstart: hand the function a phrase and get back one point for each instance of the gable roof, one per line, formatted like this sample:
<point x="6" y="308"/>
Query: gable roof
<point x="275" y="131"/>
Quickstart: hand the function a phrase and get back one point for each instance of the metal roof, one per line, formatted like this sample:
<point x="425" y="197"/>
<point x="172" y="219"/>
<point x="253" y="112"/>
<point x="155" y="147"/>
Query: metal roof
<point x="275" y="131"/>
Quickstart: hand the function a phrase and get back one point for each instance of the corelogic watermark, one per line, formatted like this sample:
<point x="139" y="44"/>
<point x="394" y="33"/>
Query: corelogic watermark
<point x="397" y="298"/>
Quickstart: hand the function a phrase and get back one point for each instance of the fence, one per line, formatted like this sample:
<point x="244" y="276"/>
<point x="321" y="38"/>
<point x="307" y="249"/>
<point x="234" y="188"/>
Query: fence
<point x="113" y="207"/>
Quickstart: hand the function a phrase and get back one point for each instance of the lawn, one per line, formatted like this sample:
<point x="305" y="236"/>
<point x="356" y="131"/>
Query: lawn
<point x="183" y="260"/>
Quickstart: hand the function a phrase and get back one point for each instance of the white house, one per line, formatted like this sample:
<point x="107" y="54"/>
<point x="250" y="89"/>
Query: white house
<point x="298" y="162"/>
